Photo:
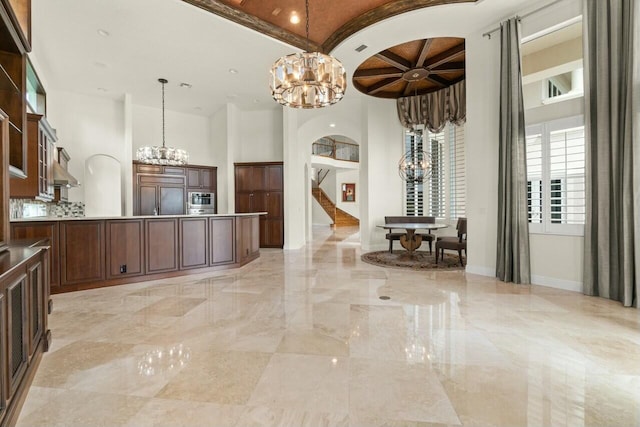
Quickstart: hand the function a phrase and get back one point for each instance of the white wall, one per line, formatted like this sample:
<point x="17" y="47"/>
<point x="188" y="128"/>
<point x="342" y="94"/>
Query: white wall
<point x="102" y="186"/>
<point x="184" y="131"/>
<point x="318" y="214"/>
<point x="218" y="133"/>
<point x="328" y="185"/>
<point x="86" y="126"/>
<point x="348" y="176"/>
<point x="261" y="136"/>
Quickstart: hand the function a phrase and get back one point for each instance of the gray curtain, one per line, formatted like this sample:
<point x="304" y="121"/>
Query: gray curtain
<point x="434" y="109"/>
<point x="512" y="261"/>
<point x="610" y="238"/>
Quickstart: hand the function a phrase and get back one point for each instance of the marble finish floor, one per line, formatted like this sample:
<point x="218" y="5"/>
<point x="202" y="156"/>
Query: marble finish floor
<point x="301" y="338"/>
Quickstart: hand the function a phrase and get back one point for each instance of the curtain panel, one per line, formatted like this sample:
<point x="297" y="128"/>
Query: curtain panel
<point x="435" y="109"/>
<point x="611" y="227"/>
<point x="512" y="257"/>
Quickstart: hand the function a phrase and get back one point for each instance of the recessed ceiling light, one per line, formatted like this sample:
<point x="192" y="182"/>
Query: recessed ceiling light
<point x="100" y="64"/>
<point x="103" y="33"/>
<point x="294" y="19"/>
<point x="332" y="125"/>
<point x="233" y="71"/>
<point x="276" y="11"/>
<point x="101" y="89"/>
<point x="185" y="85"/>
<point x="361" y="47"/>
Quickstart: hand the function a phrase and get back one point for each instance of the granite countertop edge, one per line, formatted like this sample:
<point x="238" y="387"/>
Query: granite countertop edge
<point x="102" y="218"/>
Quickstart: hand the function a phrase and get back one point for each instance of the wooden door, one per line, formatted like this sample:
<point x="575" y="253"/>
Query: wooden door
<point x="243" y="202"/>
<point x="82" y="249"/>
<point x="194" y="251"/>
<point x="148" y="200"/>
<point x="161" y="250"/>
<point x="125" y="251"/>
<point x="172" y="200"/>
<point x="222" y="238"/>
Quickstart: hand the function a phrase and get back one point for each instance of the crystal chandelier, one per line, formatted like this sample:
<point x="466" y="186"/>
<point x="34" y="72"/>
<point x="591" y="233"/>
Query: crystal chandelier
<point x="415" y="166"/>
<point x="308" y="79"/>
<point x="155" y="155"/>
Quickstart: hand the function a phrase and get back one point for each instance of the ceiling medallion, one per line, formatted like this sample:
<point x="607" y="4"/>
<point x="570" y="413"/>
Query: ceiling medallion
<point x="308" y="79"/>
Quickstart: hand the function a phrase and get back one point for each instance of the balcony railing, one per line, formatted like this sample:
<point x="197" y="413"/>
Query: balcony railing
<point x="328" y="147"/>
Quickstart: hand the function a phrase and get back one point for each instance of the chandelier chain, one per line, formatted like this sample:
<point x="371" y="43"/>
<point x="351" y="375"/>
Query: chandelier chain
<point x="163" y="139"/>
<point x="306" y="7"/>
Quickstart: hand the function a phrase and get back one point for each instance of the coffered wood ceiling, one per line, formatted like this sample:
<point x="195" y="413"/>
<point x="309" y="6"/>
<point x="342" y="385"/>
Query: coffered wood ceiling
<point x="413" y="68"/>
<point x="330" y="21"/>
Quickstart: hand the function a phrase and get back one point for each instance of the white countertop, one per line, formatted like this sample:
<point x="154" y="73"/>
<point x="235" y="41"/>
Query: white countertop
<point x="98" y="218"/>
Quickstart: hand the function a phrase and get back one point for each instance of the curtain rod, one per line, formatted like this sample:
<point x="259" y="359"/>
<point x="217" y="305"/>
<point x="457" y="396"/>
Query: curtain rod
<point x="520" y="18"/>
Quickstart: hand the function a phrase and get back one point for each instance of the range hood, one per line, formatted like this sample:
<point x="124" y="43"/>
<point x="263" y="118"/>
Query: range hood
<point x="62" y="178"/>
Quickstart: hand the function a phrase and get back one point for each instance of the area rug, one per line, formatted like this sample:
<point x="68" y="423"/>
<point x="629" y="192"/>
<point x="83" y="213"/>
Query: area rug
<point x="419" y="260"/>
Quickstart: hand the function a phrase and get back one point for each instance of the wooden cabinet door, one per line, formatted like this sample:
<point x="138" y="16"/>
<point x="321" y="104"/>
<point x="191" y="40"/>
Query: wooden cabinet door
<point x="223" y="240"/>
<point x="205" y="178"/>
<point x="194" y="251"/>
<point x="35" y="272"/>
<point x="259" y="201"/>
<point x="243" y="202"/>
<point x="125" y="251"/>
<point x="17" y="328"/>
<point x="274" y="205"/>
<point x="172" y="200"/>
<point x="244" y="178"/>
<point x="274" y="178"/>
<point x="259" y="178"/>
<point x="161" y="249"/>
<point x="82" y="247"/>
<point x="4" y="367"/>
<point x="193" y="178"/>
<point x="173" y="170"/>
<point x="38" y="230"/>
<point x="148" y="200"/>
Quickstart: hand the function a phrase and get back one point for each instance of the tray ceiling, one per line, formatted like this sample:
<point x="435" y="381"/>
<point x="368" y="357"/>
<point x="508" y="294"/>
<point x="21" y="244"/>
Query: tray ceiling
<point x="330" y="21"/>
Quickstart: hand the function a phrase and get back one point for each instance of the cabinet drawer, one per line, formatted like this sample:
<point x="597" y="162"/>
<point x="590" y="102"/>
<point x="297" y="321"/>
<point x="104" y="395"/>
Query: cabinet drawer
<point x="173" y="170"/>
<point x="149" y="168"/>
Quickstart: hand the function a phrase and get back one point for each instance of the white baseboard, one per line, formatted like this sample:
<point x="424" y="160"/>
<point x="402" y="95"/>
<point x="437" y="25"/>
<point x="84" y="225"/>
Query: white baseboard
<point x="481" y="270"/>
<point x="552" y="282"/>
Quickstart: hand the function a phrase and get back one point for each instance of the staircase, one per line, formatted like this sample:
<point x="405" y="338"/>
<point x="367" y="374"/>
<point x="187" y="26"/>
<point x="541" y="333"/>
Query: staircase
<point x="339" y="217"/>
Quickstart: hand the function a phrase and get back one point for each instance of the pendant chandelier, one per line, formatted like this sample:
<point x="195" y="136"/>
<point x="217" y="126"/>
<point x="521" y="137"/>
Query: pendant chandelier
<point x="164" y="155"/>
<point x="308" y="79"/>
<point x="415" y="166"/>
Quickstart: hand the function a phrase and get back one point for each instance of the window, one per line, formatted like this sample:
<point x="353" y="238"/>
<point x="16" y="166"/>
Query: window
<point x="556" y="176"/>
<point x="443" y="194"/>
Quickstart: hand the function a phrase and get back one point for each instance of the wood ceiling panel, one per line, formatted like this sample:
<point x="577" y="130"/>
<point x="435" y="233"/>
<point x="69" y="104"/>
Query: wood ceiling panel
<point x="330" y="21"/>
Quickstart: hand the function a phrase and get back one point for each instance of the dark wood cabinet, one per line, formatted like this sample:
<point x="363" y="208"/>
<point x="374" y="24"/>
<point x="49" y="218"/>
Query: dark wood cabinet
<point x="4" y="183"/>
<point x="161" y="251"/>
<point x="24" y="295"/>
<point x="159" y="195"/>
<point x="13" y="103"/>
<point x="39" y="167"/>
<point x="42" y="230"/>
<point x="82" y="247"/>
<point x="222" y="236"/>
<point x="61" y="193"/>
<point x="194" y="247"/>
<point x="125" y="248"/>
<point x="201" y="179"/>
<point x="259" y="188"/>
<point x="248" y="229"/>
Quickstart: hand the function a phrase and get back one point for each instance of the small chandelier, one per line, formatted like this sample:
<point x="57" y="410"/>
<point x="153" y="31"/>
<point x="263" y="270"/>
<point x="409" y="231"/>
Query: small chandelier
<point x="162" y="155"/>
<point x="415" y="166"/>
<point x="308" y="79"/>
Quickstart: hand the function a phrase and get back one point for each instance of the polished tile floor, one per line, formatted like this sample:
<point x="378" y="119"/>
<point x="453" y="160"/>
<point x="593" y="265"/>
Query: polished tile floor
<point x="301" y="338"/>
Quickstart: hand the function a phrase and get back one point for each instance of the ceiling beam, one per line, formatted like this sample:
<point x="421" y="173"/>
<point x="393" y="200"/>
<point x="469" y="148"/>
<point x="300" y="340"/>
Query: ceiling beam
<point x="381" y="85"/>
<point x="393" y="59"/>
<point x="449" y="67"/>
<point x="445" y="56"/>
<point x="377" y="72"/>
<point x="384" y="11"/>
<point x="423" y="52"/>
<point x="438" y="80"/>
<point x="408" y="88"/>
<point x="219" y="8"/>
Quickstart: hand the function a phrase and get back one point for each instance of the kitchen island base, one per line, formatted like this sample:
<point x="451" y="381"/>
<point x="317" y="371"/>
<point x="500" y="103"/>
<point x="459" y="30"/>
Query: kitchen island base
<point x="90" y="253"/>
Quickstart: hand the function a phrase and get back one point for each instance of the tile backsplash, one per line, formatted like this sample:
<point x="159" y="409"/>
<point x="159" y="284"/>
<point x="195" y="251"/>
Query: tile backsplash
<point x="27" y="208"/>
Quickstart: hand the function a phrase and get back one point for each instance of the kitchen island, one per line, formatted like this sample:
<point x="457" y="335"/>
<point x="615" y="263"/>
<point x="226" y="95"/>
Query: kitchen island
<point x="93" y="252"/>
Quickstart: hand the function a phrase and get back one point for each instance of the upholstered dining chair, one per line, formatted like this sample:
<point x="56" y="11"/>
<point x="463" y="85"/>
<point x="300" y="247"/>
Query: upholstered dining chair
<point x="391" y="235"/>
<point x="458" y="243"/>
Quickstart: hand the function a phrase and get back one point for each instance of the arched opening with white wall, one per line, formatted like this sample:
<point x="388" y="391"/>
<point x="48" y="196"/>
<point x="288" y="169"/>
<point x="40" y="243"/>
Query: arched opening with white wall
<point x="102" y="186"/>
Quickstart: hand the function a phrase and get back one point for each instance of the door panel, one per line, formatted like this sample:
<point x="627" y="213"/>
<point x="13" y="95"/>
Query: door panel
<point x="259" y="202"/>
<point x="274" y="204"/>
<point x="172" y="201"/>
<point x="243" y="202"/>
<point x="193" y="178"/>
<point x="124" y="248"/>
<point x="259" y="178"/>
<point x="148" y="199"/>
<point x="193" y="243"/>
<point x="222" y="238"/>
<point x="244" y="178"/>
<point x="205" y="178"/>
<point x="275" y="181"/>
<point x="161" y="252"/>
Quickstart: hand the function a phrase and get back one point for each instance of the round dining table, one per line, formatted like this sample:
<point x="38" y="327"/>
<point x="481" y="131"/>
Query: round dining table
<point x="412" y="241"/>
